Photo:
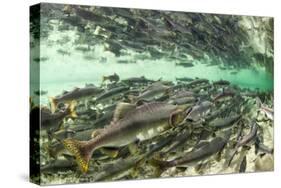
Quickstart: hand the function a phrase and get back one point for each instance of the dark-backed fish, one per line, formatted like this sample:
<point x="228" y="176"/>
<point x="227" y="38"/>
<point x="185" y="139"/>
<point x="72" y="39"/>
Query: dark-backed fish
<point x="268" y="111"/>
<point x="198" y="111"/>
<point x="75" y="94"/>
<point x="198" y="154"/>
<point x="224" y="122"/>
<point x="112" y="78"/>
<point x="134" y="123"/>
<point x="51" y="120"/>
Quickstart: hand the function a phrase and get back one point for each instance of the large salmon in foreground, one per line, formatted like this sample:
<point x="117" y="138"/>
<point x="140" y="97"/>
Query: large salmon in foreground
<point x="124" y="93"/>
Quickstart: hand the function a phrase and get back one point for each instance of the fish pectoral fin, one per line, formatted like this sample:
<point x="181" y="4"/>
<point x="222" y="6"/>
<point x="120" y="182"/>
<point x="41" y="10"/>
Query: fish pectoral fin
<point x="122" y="109"/>
<point x="111" y="152"/>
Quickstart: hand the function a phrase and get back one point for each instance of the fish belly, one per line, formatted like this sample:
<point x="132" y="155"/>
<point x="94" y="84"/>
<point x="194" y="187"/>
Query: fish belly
<point x="151" y="131"/>
<point x="146" y="132"/>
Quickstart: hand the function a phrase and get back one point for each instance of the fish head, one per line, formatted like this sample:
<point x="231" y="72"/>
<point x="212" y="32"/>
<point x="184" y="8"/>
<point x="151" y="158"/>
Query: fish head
<point x="186" y="115"/>
<point x="177" y="117"/>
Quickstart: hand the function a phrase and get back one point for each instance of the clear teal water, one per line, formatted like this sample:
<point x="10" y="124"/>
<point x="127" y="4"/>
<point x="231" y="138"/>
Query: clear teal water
<point x="63" y="72"/>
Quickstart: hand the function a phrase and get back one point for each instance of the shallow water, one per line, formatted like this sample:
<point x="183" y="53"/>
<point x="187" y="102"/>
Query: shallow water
<point x="70" y="54"/>
<point x="64" y="72"/>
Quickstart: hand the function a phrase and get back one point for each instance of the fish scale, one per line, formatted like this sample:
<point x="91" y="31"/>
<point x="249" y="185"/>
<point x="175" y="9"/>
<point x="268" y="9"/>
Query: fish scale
<point x="144" y="122"/>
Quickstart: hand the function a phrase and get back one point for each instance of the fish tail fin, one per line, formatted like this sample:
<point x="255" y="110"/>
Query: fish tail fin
<point x="82" y="155"/>
<point x="72" y="106"/>
<point x="53" y="103"/>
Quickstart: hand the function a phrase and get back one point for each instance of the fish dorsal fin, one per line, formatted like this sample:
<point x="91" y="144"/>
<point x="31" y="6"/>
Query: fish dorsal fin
<point x="141" y="102"/>
<point x="76" y="88"/>
<point x="121" y="110"/>
<point x="157" y="85"/>
<point x="64" y="92"/>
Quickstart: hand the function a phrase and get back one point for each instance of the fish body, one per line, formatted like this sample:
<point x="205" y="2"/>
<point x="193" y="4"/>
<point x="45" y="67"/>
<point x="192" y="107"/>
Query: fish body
<point x="111" y="78"/>
<point x="198" y="81"/>
<point x="198" y="154"/>
<point x="268" y="111"/>
<point x="59" y="165"/>
<point x="250" y="136"/>
<point x="153" y="91"/>
<point x="224" y="96"/>
<point x="107" y="95"/>
<point x="51" y="120"/>
<point x="76" y="94"/>
<point x="221" y="82"/>
<point x="185" y="79"/>
<point x="89" y="15"/>
<point x="137" y="80"/>
<point x="245" y="140"/>
<point x="224" y="122"/>
<point x="185" y="64"/>
<point x="141" y="123"/>
<point x="183" y="100"/>
<point x="181" y="94"/>
<point x="198" y="111"/>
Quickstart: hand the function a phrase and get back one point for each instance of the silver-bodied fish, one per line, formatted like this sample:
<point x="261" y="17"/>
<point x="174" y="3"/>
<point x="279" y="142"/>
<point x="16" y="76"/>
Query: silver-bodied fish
<point x="268" y="111"/>
<point x="198" y="154"/>
<point x="139" y="123"/>
<point x="75" y="94"/>
<point x="51" y="120"/>
<point x="198" y="111"/>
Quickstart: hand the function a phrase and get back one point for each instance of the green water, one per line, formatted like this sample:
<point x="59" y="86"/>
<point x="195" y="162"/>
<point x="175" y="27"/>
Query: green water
<point x="64" y="72"/>
<point x="72" y="46"/>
